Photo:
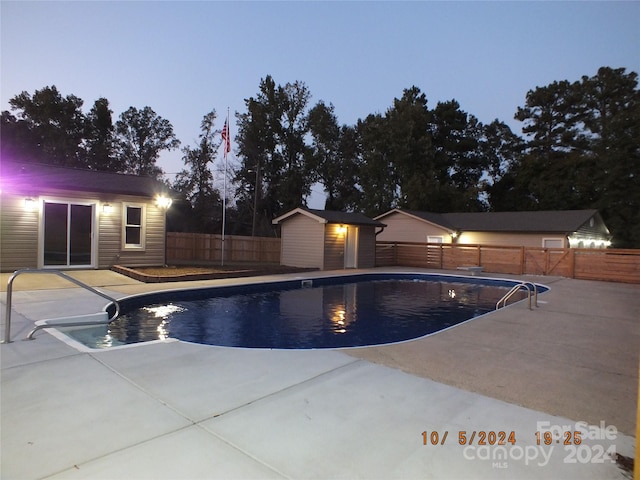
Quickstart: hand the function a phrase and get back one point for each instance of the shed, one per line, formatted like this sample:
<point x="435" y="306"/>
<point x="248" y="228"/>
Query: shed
<point x="327" y="240"/>
<point x="552" y="229"/>
<point x="65" y="218"/>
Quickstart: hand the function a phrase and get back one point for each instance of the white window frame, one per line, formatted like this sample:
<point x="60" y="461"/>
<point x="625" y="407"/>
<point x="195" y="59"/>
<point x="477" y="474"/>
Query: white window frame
<point x="143" y="226"/>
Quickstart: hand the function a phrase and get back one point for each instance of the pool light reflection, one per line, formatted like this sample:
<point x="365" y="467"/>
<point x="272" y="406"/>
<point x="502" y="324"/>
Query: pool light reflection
<point x="338" y="317"/>
<point x="163" y="311"/>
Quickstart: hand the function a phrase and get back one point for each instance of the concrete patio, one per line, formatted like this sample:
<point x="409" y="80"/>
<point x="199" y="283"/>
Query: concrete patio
<point x="177" y="410"/>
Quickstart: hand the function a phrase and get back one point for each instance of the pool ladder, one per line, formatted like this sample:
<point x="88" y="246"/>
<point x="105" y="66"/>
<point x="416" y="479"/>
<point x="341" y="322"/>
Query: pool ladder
<point x="517" y="288"/>
<point x="7" y="330"/>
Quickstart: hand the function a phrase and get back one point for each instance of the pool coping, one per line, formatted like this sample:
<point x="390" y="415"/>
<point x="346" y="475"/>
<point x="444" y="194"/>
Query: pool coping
<point x="278" y="283"/>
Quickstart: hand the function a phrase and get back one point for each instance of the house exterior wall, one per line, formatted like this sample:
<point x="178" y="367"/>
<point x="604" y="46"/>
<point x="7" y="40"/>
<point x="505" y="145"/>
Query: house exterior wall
<point x="21" y="235"/>
<point x="403" y="228"/>
<point x="111" y="250"/>
<point x="367" y="247"/>
<point x="334" y="247"/>
<point x="334" y="244"/>
<point x="302" y="242"/>
<point x="308" y="243"/>
<point x="593" y="234"/>
<point x="510" y="239"/>
<point x="18" y="234"/>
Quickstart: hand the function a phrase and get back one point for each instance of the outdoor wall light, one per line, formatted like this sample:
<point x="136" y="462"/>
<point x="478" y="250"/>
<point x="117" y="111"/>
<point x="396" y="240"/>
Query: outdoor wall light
<point x="29" y="204"/>
<point x="454" y="234"/>
<point x="163" y="202"/>
<point x="588" y="242"/>
<point x="342" y="229"/>
<point x="107" y="208"/>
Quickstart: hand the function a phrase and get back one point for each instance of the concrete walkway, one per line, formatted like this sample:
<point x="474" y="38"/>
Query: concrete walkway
<point x="178" y="410"/>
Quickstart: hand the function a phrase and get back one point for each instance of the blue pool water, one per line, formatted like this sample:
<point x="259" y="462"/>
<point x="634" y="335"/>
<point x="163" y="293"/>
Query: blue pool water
<point x="334" y="312"/>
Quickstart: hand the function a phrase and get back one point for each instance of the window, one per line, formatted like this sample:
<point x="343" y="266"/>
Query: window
<point x="553" y="243"/>
<point x="133" y="231"/>
<point x="435" y="239"/>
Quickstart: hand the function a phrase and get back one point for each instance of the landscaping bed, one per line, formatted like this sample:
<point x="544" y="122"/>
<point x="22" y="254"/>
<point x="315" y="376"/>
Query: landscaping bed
<point x="180" y="273"/>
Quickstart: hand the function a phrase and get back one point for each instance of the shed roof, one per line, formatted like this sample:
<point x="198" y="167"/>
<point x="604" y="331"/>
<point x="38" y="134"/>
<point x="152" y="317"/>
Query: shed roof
<point x="33" y="177"/>
<point x="536" y="221"/>
<point x="328" y="216"/>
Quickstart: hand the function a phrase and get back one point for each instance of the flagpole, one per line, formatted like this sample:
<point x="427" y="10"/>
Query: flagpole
<point x="227" y="141"/>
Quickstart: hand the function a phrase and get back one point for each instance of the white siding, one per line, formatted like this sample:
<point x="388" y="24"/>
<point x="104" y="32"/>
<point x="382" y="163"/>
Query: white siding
<point x="302" y="242"/>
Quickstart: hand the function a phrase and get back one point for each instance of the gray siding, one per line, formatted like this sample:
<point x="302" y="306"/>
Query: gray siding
<point x="111" y="251"/>
<point x="588" y="232"/>
<point x="302" y="242"/>
<point x="367" y="247"/>
<point x="333" y="247"/>
<point x="19" y="231"/>
<point x="18" y="234"/>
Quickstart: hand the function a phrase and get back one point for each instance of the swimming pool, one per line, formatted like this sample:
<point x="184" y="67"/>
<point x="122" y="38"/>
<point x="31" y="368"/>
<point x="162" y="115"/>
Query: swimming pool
<point x="327" y="312"/>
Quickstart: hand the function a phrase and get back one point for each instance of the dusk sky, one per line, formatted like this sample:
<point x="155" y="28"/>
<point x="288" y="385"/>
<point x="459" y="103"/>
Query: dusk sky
<point x="185" y="58"/>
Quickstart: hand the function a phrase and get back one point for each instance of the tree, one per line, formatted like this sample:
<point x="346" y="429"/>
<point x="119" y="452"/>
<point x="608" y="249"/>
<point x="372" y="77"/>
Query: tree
<point x="196" y="182"/>
<point x="257" y="140"/>
<point x="612" y="120"/>
<point x="273" y="176"/>
<point x="141" y="136"/>
<point x="459" y="162"/>
<point x="333" y="158"/>
<point x="378" y="176"/>
<point x="99" y="143"/>
<point x="48" y="128"/>
<point x="583" y="150"/>
<point x="296" y="178"/>
<point x="502" y="150"/>
<point x="411" y="150"/>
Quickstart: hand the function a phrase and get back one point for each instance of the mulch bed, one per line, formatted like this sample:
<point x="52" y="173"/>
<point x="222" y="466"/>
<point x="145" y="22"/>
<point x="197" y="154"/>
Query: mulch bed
<point x="181" y="273"/>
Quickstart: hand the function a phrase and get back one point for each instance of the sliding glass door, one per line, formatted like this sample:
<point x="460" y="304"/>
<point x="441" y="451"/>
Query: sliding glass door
<point x="68" y="234"/>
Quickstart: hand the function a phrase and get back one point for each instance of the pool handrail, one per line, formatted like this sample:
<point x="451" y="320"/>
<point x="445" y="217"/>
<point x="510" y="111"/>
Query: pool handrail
<point x="7" y="330"/>
<point x="515" y="289"/>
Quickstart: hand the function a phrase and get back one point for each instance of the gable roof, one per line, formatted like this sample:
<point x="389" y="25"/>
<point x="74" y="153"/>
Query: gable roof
<point x="328" y="216"/>
<point x="33" y="177"/>
<point x="560" y="221"/>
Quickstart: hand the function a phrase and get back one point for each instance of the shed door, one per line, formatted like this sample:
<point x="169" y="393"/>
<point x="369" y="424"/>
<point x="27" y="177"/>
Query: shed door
<point x="351" y="248"/>
<point x="68" y="235"/>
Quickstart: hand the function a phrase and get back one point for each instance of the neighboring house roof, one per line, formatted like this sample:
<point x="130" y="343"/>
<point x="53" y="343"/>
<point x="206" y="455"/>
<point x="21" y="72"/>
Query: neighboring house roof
<point x="538" y="221"/>
<point x="436" y="219"/>
<point x="327" y="216"/>
<point x="32" y="177"/>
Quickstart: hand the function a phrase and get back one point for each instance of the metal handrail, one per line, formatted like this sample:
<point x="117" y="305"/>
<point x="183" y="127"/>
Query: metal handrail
<point x="515" y="289"/>
<point x="7" y="331"/>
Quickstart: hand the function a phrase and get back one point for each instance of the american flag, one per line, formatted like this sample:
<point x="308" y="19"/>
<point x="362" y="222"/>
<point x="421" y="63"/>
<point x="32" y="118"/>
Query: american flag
<point x="226" y="141"/>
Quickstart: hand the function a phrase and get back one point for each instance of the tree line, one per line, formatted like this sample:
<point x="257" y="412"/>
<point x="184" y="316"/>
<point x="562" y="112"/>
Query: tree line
<point x="579" y="148"/>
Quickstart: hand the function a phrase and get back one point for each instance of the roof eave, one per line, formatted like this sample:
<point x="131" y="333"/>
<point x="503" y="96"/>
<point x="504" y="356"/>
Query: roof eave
<point x="297" y="211"/>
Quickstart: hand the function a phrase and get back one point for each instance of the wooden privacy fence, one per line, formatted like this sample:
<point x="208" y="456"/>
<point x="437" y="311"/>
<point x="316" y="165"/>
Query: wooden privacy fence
<point x="614" y="265"/>
<point x="206" y="248"/>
